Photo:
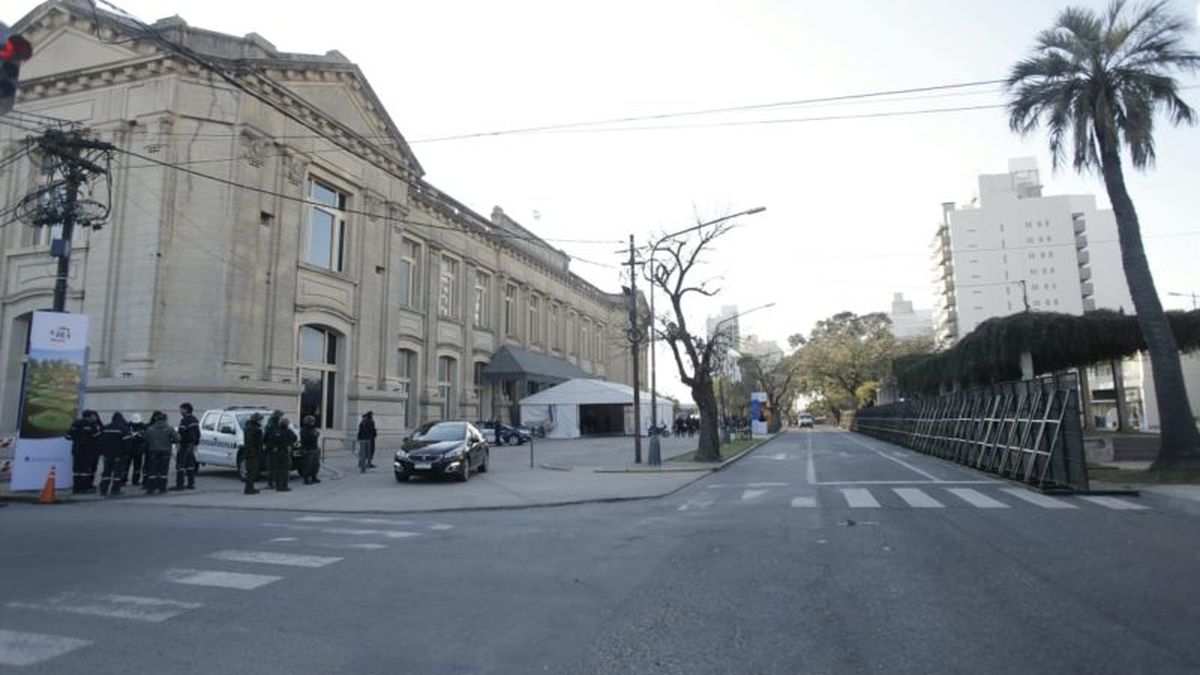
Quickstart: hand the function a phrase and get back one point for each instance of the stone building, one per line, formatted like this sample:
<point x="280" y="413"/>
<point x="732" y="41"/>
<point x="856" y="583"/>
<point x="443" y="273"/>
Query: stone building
<point x="274" y="242"/>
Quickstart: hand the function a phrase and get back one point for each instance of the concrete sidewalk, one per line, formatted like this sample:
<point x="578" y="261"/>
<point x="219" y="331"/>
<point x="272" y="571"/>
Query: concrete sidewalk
<point x="564" y="472"/>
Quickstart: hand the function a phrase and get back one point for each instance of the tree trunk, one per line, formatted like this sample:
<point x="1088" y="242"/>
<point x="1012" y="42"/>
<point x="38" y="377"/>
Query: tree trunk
<point x="1085" y="399"/>
<point x="1180" y="440"/>
<point x="709" y="448"/>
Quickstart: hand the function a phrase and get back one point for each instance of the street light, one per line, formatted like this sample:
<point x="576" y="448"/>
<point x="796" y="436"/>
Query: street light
<point x="1193" y="295"/>
<point x="715" y="333"/>
<point x="655" y="453"/>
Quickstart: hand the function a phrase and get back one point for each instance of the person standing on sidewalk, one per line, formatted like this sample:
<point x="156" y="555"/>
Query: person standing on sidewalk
<point x="159" y="439"/>
<point x="185" y="457"/>
<point x="137" y="449"/>
<point x="310" y="454"/>
<point x="85" y="442"/>
<point x="279" y="445"/>
<point x="366" y="434"/>
<point x="252" y="452"/>
<point x="268" y="456"/>
<point x="114" y="444"/>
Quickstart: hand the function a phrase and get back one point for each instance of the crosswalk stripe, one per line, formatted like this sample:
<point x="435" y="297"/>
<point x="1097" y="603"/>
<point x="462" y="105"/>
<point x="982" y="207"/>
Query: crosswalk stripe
<point x="1114" y="503"/>
<point x="219" y="579"/>
<point x="697" y="503"/>
<point x="28" y="649"/>
<point x="271" y="558"/>
<point x="1038" y="499"/>
<point x="804" y="502"/>
<point x="747" y="495"/>
<point x="345" y="519"/>
<point x="917" y="499"/>
<point x="976" y="498"/>
<point x="324" y="544"/>
<point x="390" y="534"/>
<point x="859" y="498"/>
<point x="153" y="610"/>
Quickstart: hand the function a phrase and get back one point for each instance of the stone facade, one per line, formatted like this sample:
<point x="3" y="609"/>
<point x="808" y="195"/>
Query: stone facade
<point x="319" y="255"/>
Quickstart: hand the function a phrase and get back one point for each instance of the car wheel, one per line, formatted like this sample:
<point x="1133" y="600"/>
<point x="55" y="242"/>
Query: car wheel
<point x="465" y="475"/>
<point x="483" y="466"/>
<point x="401" y="476"/>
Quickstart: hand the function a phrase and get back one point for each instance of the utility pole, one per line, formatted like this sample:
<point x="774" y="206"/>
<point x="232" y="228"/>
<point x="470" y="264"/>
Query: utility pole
<point x="635" y="340"/>
<point x="71" y="161"/>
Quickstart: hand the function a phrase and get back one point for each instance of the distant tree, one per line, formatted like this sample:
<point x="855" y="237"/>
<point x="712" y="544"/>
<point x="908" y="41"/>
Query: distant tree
<point x="1096" y="81"/>
<point x="777" y="377"/>
<point x="841" y="354"/>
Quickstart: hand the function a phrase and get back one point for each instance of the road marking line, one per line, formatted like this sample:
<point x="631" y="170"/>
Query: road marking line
<point x="153" y="610"/>
<point x="390" y="534"/>
<point x="1114" y="503"/>
<point x="28" y="649"/>
<point x="278" y="539"/>
<point x="859" y="498"/>
<point x="901" y="462"/>
<point x="219" y="579"/>
<point x="810" y="471"/>
<point x="804" y="502"/>
<point x="697" y="503"/>
<point x="269" y="558"/>
<point x="909" y="482"/>
<point x="747" y="495"/>
<point x="342" y="519"/>
<point x="441" y="527"/>
<point x="976" y="498"/>
<point x="1038" y="499"/>
<point x="918" y="499"/>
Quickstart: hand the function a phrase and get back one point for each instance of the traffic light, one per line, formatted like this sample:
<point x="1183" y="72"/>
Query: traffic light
<point x="13" y="50"/>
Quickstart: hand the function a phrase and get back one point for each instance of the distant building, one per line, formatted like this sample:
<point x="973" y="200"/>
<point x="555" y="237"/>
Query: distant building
<point x="768" y="351"/>
<point x="727" y="321"/>
<point x="1014" y="248"/>
<point x="908" y="322"/>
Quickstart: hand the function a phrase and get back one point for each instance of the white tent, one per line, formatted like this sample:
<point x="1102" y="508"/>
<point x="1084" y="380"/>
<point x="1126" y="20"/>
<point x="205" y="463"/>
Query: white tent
<point x="579" y="406"/>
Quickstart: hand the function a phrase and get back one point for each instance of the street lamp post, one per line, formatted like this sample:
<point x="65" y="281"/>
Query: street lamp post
<point x="654" y="457"/>
<point x="1193" y="295"/>
<point x="716" y="332"/>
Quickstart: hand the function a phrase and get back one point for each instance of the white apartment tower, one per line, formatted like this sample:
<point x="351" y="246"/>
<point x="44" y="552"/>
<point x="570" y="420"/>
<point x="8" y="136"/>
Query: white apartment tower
<point x="1012" y="248"/>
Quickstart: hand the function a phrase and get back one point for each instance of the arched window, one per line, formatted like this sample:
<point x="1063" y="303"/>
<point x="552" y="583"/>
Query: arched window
<point x="406" y="372"/>
<point x="317" y="372"/>
<point x="447" y="376"/>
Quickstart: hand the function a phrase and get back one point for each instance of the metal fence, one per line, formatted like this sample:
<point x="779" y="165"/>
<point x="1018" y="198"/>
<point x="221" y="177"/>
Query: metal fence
<point x="1027" y="431"/>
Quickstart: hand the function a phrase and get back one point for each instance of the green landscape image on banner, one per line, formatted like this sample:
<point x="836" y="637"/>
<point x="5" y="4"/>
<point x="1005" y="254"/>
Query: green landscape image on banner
<point x="52" y="383"/>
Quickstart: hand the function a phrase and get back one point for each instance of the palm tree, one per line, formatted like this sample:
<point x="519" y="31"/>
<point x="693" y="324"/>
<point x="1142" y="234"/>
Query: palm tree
<point x="1096" y="81"/>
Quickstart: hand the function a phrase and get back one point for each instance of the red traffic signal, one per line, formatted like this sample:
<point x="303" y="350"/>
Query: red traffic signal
<point x="16" y="48"/>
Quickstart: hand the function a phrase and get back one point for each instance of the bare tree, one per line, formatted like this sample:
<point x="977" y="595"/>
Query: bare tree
<point x="672" y="270"/>
<point x="778" y="379"/>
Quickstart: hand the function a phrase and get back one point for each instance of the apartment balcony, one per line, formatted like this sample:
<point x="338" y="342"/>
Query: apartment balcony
<point x="1081" y="241"/>
<point x="1089" y="304"/>
<point x="1079" y="222"/>
<point x="1087" y="291"/>
<point x="1084" y="257"/>
<point x="1085" y="274"/>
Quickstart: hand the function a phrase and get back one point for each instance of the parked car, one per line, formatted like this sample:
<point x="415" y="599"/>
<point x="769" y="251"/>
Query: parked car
<point x="439" y="449"/>
<point x="508" y="435"/>
<point x="222" y="439"/>
<point x="806" y="421"/>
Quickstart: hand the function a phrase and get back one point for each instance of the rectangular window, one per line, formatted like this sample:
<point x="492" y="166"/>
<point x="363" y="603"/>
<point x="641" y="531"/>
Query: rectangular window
<point x="478" y="381"/>
<point x="448" y="288"/>
<point x="585" y="346"/>
<point x="447" y="376"/>
<point x="535" y="323"/>
<point x="571" y="337"/>
<point x="510" y="310"/>
<point x="406" y="370"/>
<point x="483" y="285"/>
<point x="326" y="244"/>
<point x="410" y="265"/>
<point x="599" y="343"/>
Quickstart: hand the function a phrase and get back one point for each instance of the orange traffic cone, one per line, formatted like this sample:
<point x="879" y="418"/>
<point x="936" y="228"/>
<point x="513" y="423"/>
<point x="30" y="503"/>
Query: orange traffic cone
<point x="47" y="496"/>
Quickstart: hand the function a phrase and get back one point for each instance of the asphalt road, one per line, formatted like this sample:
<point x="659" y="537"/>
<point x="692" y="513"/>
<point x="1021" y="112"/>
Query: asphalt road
<point x="821" y="552"/>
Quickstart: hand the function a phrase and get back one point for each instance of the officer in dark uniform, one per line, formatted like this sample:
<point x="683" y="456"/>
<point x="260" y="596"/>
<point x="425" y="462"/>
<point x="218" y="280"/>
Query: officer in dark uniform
<point x="252" y="451"/>
<point x="280" y="448"/>
<point x="159" y="439"/>
<point x="268" y="458"/>
<point x="114" y="444"/>
<point x="185" y="456"/>
<point x="310" y="454"/>
<point x="137" y="449"/>
<point x="85" y="448"/>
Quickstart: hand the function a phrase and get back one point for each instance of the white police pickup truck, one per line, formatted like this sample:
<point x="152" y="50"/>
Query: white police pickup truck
<point x="221" y="436"/>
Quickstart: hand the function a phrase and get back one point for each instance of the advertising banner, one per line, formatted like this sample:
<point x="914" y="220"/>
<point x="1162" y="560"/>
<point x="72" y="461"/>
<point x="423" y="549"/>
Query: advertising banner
<point x="55" y="376"/>
<point x="758" y="412"/>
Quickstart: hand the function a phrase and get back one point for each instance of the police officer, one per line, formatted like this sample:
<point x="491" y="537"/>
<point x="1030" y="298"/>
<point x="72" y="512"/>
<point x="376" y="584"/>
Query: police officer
<point x="279" y="446"/>
<point x="137" y="449"/>
<point x="85" y="442"/>
<point x="269" y="429"/>
<point x="185" y="457"/>
<point x="310" y="454"/>
<point x="252" y="451"/>
<point x="159" y="439"/>
<point x="114" y="444"/>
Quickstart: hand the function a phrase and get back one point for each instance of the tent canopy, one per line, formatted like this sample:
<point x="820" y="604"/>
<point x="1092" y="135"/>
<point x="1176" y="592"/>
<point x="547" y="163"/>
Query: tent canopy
<point x="582" y="391"/>
<point x="514" y="363"/>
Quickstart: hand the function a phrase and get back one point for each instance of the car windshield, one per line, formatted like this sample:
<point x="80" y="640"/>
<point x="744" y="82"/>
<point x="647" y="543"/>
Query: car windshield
<point x="243" y="417"/>
<point x="443" y="431"/>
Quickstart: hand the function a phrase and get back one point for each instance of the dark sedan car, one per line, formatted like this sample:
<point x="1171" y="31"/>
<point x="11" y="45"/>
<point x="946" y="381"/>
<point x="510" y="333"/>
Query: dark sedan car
<point x="442" y="449"/>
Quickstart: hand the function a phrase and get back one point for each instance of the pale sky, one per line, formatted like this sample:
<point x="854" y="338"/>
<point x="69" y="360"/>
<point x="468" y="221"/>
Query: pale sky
<point x="851" y="204"/>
